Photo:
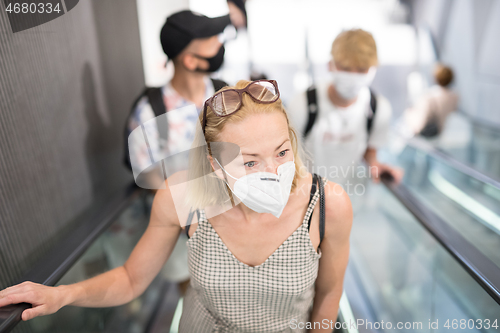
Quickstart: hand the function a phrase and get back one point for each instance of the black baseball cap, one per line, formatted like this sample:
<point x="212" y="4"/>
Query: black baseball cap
<point x="182" y="27"/>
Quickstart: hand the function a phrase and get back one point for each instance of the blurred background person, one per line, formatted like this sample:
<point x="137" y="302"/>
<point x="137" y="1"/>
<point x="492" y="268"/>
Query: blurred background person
<point x="240" y="63"/>
<point x="342" y="120"/>
<point x="428" y="116"/>
<point x="237" y="13"/>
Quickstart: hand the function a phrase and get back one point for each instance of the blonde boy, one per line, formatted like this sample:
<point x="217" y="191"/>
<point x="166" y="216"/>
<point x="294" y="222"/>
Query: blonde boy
<point x="342" y="120"/>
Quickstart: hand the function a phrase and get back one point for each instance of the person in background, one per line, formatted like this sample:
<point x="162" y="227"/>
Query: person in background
<point x="191" y="41"/>
<point x="239" y="19"/>
<point x="237" y="13"/>
<point x="342" y="120"/>
<point x="428" y="116"/>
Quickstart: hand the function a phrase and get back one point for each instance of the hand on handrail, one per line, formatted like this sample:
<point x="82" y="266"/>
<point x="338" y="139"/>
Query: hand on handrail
<point x="45" y="300"/>
<point x="380" y="170"/>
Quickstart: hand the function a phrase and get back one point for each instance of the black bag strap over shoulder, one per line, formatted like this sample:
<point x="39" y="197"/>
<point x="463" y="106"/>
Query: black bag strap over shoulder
<point x="321" y="210"/>
<point x="373" y="107"/>
<point x="318" y="182"/>
<point x="313" y="192"/>
<point x="189" y="219"/>
<point x="313" y="188"/>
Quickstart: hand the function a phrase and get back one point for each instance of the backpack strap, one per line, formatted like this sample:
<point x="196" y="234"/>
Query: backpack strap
<point x="373" y="107"/>
<point x="312" y="109"/>
<point x="218" y="84"/>
<point x="155" y="97"/>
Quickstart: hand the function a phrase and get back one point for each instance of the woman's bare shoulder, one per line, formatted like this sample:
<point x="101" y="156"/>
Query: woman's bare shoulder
<point x="338" y="208"/>
<point x="169" y="205"/>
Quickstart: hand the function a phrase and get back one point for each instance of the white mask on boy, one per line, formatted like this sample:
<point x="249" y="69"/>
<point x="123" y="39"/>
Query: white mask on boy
<point x="349" y="84"/>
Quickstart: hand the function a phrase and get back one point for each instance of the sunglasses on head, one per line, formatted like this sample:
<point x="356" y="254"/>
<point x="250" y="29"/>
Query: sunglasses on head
<point x="227" y="102"/>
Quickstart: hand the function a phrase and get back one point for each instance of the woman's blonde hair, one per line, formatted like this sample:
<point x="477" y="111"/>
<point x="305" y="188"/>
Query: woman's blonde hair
<point x="355" y="48"/>
<point x="203" y="190"/>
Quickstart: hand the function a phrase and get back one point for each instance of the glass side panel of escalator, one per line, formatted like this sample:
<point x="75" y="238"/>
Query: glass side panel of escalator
<point x="110" y="250"/>
<point x="400" y="274"/>
<point x="470" y="206"/>
<point x="475" y="143"/>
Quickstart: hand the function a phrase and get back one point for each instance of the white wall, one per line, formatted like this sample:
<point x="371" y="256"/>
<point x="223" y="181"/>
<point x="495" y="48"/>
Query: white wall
<point x="470" y="44"/>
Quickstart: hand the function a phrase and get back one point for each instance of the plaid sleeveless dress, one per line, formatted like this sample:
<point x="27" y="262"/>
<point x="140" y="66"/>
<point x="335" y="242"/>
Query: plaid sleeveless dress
<point x="226" y="295"/>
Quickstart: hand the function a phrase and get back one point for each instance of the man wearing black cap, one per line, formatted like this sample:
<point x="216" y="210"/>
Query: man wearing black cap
<point x="191" y="41"/>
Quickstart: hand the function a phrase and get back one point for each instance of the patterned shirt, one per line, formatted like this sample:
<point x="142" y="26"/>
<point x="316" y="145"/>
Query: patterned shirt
<point x="229" y="296"/>
<point x="181" y="126"/>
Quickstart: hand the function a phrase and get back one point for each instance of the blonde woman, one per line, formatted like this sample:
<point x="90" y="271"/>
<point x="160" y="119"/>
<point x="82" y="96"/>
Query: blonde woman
<point x="275" y="262"/>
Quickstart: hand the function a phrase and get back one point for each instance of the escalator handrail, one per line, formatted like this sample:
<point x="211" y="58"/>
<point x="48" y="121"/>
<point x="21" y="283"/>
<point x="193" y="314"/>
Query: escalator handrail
<point x="479" y="122"/>
<point x="52" y="267"/>
<point x="479" y="266"/>
<point x="442" y="156"/>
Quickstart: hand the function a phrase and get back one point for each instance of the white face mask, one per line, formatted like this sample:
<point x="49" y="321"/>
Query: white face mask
<point x="349" y="84"/>
<point x="265" y="192"/>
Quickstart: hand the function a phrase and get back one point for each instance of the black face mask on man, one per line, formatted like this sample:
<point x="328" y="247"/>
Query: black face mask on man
<point x="214" y="62"/>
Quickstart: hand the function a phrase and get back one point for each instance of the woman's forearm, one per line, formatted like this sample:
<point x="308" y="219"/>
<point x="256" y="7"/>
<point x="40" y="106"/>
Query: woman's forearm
<point x="112" y="288"/>
<point x="325" y="312"/>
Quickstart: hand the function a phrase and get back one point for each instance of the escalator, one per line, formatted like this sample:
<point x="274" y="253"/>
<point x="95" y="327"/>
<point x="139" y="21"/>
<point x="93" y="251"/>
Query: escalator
<point x="472" y="141"/>
<point x="102" y="239"/>
<point x="408" y="266"/>
<point x="421" y="260"/>
<point x="468" y="201"/>
<point x="427" y="251"/>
